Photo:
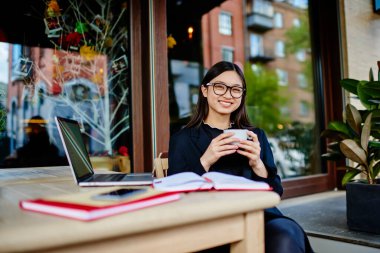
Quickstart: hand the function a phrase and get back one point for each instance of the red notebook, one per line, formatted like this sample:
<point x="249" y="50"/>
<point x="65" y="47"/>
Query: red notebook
<point x="82" y="206"/>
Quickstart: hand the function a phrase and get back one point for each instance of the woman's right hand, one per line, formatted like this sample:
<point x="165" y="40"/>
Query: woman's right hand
<point x="219" y="146"/>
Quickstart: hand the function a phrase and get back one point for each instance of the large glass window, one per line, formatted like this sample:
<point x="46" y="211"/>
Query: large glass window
<point x="281" y="91"/>
<point x="70" y="60"/>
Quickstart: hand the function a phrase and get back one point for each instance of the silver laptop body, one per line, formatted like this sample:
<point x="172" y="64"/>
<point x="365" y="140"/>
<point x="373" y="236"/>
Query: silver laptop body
<point x="80" y="164"/>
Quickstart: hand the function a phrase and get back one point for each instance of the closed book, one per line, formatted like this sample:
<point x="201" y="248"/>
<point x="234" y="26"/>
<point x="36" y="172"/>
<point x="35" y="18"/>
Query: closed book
<point x="190" y="181"/>
<point x="86" y="207"/>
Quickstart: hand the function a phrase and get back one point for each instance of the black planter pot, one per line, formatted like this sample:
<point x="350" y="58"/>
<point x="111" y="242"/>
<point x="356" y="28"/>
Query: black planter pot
<point x="363" y="205"/>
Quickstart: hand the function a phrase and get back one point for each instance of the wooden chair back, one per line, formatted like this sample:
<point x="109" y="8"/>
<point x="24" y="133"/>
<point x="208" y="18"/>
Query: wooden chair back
<point x="161" y="165"/>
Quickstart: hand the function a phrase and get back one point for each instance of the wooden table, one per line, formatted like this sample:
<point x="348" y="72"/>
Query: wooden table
<point x="197" y="221"/>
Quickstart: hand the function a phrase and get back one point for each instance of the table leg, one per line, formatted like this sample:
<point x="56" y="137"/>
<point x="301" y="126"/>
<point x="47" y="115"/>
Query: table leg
<point x="253" y="241"/>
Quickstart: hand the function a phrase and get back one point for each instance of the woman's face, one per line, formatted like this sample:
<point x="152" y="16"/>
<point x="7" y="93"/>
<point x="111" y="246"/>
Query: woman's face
<point x="223" y="104"/>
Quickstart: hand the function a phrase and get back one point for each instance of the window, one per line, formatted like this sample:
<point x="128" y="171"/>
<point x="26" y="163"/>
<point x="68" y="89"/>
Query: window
<point x="303" y="109"/>
<point x="227" y="54"/>
<point x="301" y="55"/>
<point x="278" y="22"/>
<point x="285" y="110"/>
<point x="302" y="82"/>
<point x="256" y="45"/>
<point x="282" y="77"/>
<point x="296" y="22"/>
<point x="55" y="73"/>
<point x="280" y="48"/>
<point x="288" y="73"/>
<point x="225" y="23"/>
<point x="263" y="7"/>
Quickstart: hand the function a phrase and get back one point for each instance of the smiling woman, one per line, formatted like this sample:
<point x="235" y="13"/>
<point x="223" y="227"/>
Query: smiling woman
<point x="203" y="146"/>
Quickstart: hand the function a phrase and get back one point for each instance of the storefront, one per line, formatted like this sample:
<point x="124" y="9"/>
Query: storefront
<point x="107" y="64"/>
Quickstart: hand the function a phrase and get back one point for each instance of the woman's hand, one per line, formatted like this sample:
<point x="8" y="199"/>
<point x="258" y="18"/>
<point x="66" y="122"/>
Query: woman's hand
<point x="251" y="149"/>
<point x="219" y="146"/>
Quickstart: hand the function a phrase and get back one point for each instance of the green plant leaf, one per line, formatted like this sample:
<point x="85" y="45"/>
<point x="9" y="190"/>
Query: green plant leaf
<point x="350" y="85"/>
<point x="364" y="96"/>
<point x="366" y="132"/>
<point x="334" y="134"/>
<point x="353" y="118"/>
<point x="376" y="170"/>
<point x="353" y="151"/>
<point x="372" y="88"/>
<point x="340" y="127"/>
<point x="350" y="174"/>
<point x="374" y="144"/>
<point x="371" y="75"/>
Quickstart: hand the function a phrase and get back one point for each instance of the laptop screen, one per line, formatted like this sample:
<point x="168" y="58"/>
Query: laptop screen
<point x="75" y="148"/>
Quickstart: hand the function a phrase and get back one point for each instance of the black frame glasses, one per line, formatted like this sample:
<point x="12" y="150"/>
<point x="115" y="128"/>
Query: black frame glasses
<point x="221" y="88"/>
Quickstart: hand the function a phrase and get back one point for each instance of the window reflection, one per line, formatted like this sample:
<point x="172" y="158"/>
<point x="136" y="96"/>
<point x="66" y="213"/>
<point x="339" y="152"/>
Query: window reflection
<point x="82" y="73"/>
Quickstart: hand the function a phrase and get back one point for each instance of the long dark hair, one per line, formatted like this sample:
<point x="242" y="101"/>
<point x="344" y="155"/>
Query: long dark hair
<point x="239" y="117"/>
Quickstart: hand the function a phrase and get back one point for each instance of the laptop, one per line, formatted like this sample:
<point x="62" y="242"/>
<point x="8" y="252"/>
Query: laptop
<point x="80" y="164"/>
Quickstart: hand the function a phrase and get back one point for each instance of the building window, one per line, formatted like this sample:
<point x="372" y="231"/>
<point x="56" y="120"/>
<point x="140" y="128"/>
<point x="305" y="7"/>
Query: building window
<point x="296" y="22"/>
<point x="278" y="20"/>
<point x="225" y="23"/>
<point x="282" y="77"/>
<point x="301" y="55"/>
<point x="303" y="109"/>
<point x="284" y="110"/>
<point x="227" y="54"/>
<point x="263" y="7"/>
<point x="302" y="82"/>
<point x="280" y="48"/>
<point x="256" y="45"/>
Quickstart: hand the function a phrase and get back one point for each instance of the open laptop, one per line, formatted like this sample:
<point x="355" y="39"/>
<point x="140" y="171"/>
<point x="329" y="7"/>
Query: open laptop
<point x="80" y="164"/>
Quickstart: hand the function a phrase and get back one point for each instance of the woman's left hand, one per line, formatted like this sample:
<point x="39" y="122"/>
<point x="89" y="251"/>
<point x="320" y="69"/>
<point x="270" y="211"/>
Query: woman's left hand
<point x="251" y="149"/>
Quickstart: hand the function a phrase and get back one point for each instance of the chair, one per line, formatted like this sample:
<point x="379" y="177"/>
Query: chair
<point x="161" y="165"/>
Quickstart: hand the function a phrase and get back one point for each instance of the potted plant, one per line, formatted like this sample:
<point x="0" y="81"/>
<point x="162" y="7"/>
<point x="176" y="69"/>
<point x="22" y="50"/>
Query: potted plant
<point x="356" y="139"/>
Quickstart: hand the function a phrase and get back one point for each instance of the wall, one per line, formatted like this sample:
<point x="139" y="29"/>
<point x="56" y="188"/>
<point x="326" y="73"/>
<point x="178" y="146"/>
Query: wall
<point x="360" y="38"/>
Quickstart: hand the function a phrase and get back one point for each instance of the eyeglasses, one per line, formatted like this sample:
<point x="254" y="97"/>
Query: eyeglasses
<point x="221" y="88"/>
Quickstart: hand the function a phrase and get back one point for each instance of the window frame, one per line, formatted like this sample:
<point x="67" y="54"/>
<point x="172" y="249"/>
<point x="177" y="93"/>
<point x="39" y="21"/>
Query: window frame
<point x="326" y="50"/>
<point x="225" y="23"/>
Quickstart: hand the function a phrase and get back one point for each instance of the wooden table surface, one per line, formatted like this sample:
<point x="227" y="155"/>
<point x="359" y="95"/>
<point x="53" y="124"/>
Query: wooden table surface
<point x="197" y="221"/>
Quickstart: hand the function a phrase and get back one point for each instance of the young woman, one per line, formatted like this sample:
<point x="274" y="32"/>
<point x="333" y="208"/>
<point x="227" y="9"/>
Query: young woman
<point x="202" y="146"/>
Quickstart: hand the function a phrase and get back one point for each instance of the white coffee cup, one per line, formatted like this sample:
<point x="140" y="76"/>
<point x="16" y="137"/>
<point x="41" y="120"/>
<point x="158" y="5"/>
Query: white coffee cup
<point x="238" y="133"/>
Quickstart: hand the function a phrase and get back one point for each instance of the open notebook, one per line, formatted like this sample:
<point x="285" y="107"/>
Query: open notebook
<point x="80" y="164"/>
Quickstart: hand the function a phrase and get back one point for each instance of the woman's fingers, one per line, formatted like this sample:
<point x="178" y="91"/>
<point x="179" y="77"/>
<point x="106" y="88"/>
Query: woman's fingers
<point x="252" y="136"/>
